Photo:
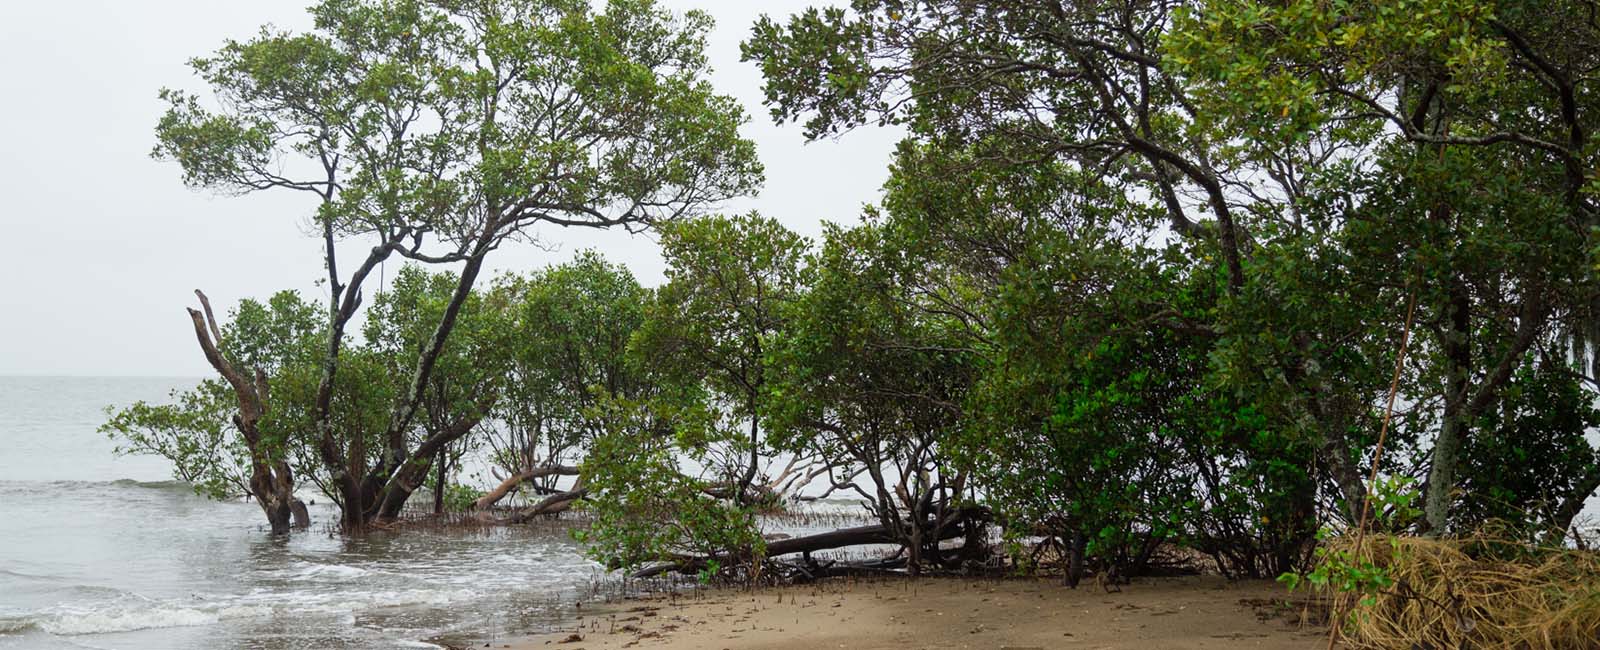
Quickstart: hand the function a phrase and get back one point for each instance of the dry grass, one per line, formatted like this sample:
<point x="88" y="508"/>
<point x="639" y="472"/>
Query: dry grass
<point x="1480" y="593"/>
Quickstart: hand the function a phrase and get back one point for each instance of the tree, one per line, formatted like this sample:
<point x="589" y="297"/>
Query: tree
<point x="1533" y="471"/>
<point x="870" y="377"/>
<point x="466" y="383"/>
<point x="236" y="437"/>
<point x="1329" y="162"/>
<point x="646" y="508"/>
<point x="441" y="130"/>
<point x="728" y="279"/>
<point x="1051" y="99"/>
<point x="1475" y="128"/>
<point x="1092" y="420"/>
<point x="570" y="331"/>
<point x="1021" y="83"/>
<point x="674" y="472"/>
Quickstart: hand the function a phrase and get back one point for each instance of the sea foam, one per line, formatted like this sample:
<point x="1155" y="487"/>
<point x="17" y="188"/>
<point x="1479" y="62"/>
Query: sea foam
<point x="74" y="622"/>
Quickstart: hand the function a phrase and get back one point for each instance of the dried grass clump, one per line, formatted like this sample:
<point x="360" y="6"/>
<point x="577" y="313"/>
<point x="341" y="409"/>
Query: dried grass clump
<point x="1477" y="592"/>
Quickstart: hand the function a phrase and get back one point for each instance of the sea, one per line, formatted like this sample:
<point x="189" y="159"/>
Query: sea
<point x="105" y="551"/>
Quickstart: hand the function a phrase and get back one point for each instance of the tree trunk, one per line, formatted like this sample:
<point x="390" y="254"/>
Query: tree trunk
<point x="553" y="504"/>
<point x="1319" y="412"/>
<point x="345" y="464"/>
<point x="271" y="481"/>
<point x="500" y="491"/>
<point x="438" y="482"/>
<point x="1446" y="454"/>
<point x="279" y="516"/>
<point x="391" y="493"/>
<point x="914" y="551"/>
<point x="749" y="477"/>
<point x="407" y="470"/>
<point x="1572" y="504"/>
<point x="302" y="517"/>
<point x="1301" y="528"/>
<point x="1077" y="547"/>
<point x="357" y="495"/>
<point x="841" y="538"/>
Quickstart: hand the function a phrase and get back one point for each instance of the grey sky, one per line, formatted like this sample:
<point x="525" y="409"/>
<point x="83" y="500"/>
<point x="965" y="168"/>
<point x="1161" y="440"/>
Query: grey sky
<point x="104" y="245"/>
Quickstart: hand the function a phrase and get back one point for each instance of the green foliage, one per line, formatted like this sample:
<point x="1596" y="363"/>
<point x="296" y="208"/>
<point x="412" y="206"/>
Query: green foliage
<point x="1538" y="455"/>
<point x="440" y="131"/>
<point x="708" y="329"/>
<point x="1348" y="569"/>
<point x="457" y="497"/>
<point x="1345" y="571"/>
<point x="195" y="430"/>
<point x="567" y="335"/>
<point x="646" y="508"/>
<point x="675" y="471"/>
<point x="469" y="374"/>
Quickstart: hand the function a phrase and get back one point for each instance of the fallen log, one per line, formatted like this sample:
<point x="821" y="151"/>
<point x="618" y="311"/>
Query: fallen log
<point x="810" y="570"/>
<point x="833" y="539"/>
<point x="843" y="537"/>
<point x="500" y="491"/>
<point x="553" y="504"/>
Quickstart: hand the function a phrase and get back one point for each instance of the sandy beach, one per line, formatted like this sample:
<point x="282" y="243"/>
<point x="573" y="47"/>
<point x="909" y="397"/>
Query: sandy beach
<point x="1176" y="613"/>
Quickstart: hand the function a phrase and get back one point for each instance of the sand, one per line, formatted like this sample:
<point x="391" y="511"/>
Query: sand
<point x="1177" y="613"/>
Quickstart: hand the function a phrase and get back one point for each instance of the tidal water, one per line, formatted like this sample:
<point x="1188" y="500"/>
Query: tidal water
<point x="102" y="551"/>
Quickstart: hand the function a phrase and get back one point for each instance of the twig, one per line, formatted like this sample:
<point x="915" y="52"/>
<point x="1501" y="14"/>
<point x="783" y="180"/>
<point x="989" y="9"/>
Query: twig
<point x="1377" y="454"/>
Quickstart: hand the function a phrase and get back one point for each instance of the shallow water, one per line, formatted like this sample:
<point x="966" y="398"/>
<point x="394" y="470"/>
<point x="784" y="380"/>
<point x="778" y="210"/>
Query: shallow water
<point x="101" y="551"/>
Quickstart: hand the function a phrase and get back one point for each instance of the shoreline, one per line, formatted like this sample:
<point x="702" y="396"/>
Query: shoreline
<point x="1181" y="613"/>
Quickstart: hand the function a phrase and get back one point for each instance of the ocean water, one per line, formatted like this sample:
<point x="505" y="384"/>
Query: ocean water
<point x="102" y="551"/>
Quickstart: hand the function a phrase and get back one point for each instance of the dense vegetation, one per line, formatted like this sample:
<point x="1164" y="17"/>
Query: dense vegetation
<point x="1138" y="279"/>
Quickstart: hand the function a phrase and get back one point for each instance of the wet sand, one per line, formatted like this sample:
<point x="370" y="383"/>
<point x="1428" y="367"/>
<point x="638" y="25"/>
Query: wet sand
<point x="1177" y="613"/>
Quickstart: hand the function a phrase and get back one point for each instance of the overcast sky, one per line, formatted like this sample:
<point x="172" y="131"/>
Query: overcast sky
<point x="103" y="245"/>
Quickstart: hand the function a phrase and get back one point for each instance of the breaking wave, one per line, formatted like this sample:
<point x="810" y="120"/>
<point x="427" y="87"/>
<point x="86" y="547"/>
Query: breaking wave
<point x="132" y="616"/>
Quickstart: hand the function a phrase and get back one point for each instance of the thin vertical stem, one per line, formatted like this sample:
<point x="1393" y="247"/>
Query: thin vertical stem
<point x="1377" y="453"/>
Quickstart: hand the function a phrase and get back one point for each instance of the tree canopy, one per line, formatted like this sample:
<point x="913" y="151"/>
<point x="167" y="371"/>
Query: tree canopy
<point x="438" y="131"/>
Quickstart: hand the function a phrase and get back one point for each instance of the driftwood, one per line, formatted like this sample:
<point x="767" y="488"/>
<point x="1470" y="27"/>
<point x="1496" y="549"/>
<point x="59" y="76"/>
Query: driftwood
<point x="553" y="504"/>
<point x="834" y="539"/>
<point x="500" y="491"/>
<point x="841" y="538"/>
<point x="809" y="570"/>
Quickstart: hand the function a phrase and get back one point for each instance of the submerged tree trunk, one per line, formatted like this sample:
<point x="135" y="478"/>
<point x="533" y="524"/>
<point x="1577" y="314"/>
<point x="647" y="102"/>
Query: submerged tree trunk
<point x="390" y="495"/>
<point x="302" y="517"/>
<point x="271" y="481"/>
